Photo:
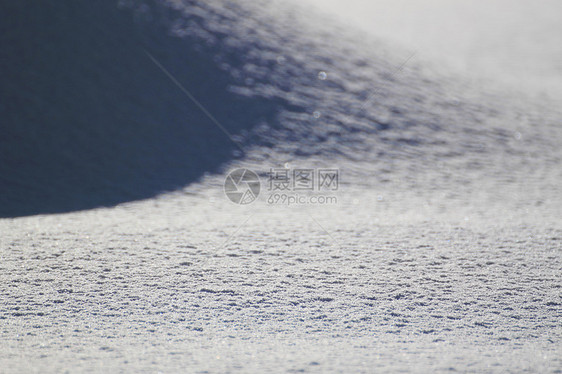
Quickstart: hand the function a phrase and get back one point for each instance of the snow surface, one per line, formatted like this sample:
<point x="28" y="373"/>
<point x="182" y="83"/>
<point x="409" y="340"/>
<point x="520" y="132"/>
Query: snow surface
<point x="443" y="252"/>
<point x="516" y="42"/>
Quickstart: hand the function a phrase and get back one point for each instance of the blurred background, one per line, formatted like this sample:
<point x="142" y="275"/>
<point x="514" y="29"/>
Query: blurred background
<point x="515" y="42"/>
<point x="93" y="115"/>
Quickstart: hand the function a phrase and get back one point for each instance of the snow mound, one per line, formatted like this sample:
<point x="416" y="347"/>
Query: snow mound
<point x="103" y="104"/>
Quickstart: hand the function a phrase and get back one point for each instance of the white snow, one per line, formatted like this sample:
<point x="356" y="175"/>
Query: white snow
<point x="443" y="253"/>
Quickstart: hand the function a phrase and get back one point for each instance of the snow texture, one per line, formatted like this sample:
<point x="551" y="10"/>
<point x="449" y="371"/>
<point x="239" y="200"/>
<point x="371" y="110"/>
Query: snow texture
<point x="443" y="252"/>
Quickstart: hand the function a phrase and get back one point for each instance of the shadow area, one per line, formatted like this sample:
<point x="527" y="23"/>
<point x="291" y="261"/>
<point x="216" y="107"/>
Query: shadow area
<point x="88" y="120"/>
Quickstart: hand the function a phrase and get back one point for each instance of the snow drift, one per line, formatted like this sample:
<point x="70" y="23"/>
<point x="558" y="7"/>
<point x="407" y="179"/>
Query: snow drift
<point x="90" y="119"/>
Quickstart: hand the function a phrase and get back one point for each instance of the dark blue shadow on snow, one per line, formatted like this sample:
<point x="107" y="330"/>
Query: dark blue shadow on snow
<point x="88" y="120"/>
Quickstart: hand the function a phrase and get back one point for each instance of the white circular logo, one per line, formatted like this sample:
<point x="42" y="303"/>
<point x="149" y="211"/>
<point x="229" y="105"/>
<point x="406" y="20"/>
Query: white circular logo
<point x="242" y="186"/>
